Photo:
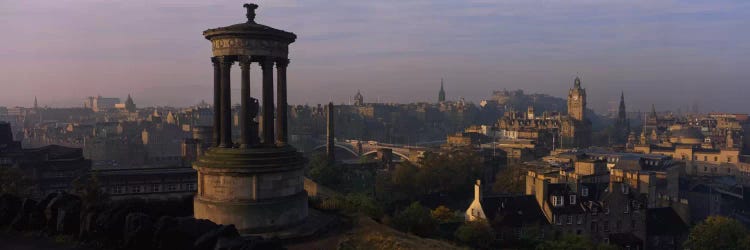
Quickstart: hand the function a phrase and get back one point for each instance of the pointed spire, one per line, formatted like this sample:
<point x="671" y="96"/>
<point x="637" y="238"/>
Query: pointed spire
<point x="653" y="110"/>
<point x="441" y="93"/>
<point x="36" y="104"/>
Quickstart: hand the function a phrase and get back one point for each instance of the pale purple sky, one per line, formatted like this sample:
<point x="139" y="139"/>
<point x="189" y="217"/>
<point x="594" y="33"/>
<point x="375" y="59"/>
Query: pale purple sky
<point x="671" y="53"/>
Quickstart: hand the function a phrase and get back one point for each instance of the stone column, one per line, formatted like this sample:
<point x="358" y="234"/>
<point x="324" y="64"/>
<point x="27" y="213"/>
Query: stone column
<point x="267" y="125"/>
<point x="226" y="103"/>
<point x="217" y="101"/>
<point x="245" y="135"/>
<point x="281" y="105"/>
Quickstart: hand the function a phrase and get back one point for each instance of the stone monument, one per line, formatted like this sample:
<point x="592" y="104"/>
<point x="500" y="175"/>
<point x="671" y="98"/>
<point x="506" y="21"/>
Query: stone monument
<point x="257" y="183"/>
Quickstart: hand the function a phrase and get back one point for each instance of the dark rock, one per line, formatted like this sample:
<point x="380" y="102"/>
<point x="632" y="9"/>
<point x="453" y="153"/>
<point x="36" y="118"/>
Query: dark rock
<point x="68" y="204"/>
<point x="87" y="227"/>
<point x="21" y="222"/>
<point x="248" y="243"/>
<point x="139" y="230"/>
<point x="10" y="205"/>
<point x="209" y="239"/>
<point x="111" y="222"/>
<point x="180" y="233"/>
<point x="69" y="216"/>
<point x="37" y="218"/>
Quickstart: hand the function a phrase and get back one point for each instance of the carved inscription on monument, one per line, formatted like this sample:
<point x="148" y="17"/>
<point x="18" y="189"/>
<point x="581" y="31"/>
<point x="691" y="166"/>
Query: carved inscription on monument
<point x="228" y="187"/>
<point x="249" y="47"/>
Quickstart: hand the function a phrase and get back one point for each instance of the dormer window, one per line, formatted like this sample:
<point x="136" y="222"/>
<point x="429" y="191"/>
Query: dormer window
<point x="585" y="191"/>
<point x="557" y="201"/>
<point x="572" y="199"/>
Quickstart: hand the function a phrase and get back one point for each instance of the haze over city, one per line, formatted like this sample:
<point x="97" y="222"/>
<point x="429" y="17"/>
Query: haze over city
<point x="670" y="53"/>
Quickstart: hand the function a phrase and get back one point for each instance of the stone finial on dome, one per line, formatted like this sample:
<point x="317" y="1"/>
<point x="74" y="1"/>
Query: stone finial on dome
<point x="250" y="11"/>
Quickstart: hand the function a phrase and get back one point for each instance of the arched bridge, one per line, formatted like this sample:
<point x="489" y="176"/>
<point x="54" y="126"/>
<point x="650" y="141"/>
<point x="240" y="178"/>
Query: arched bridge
<point x="367" y="148"/>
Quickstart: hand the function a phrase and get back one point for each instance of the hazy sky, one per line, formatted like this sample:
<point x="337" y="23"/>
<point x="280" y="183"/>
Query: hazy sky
<point x="671" y="53"/>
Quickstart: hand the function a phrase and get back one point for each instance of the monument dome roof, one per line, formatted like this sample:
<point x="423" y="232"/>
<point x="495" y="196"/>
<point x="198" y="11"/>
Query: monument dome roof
<point x="250" y="29"/>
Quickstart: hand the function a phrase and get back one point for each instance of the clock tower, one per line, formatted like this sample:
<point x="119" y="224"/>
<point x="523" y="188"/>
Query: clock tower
<point x="577" y="101"/>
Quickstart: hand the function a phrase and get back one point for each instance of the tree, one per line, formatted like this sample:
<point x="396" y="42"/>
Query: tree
<point x="13" y="181"/>
<point x="90" y="190"/>
<point x="415" y="219"/>
<point x="477" y="234"/>
<point x="362" y="203"/>
<point x="718" y="232"/>
<point x="567" y="242"/>
<point x="323" y="172"/>
<point x="509" y="180"/>
<point x="443" y="214"/>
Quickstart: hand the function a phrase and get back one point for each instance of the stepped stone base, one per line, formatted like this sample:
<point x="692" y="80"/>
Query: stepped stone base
<point x="259" y="190"/>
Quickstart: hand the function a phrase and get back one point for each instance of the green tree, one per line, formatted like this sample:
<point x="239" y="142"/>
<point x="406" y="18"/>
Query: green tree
<point x="13" y="181"/>
<point x="415" y="219"/>
<point x="510" y="180"/>
<point x="90" y="190"/>
<point x="567" y="242"/>
<point x="477" y="234"/>
<point x="443" y="214"/>
<point x="362" y="203"/>
<point x="718" y="232"/>
<point x="324" y="172"/>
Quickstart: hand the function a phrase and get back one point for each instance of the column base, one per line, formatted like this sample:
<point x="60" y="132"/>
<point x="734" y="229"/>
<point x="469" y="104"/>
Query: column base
<point x="254" y="217"/>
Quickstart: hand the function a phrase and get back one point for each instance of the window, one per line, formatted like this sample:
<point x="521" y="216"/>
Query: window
<point x="116" y="189"/>
<point x="605" y="226"/>
<point x="705" y="158"/>
<point x="626" y="208"/>
<point x="632" y="224"/>
<point x="729" y="159"/>
<point x="593" y="226"/>
<point x="570" y="219"/>
<point x="171" y="187"/>
<point x="135" y="189"/>
<point x="705" y="169"/>
<point x="716" y="158"/>
<point x="579" y="219"/>
<point x="557" y="200"/>
<point x="572" y="199"/>
<point x="557" y="219"/>
<point x="190" y="186"/>
<point x="585" y="191"/>
<point x="155" y="188"/>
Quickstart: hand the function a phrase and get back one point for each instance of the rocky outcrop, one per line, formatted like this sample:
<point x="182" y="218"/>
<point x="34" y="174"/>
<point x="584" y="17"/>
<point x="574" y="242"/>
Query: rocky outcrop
<point x="133" y="224"/>
<point x="10" y="205"/>
<point x="139" y="231"/>
<point x="21" y="220"/>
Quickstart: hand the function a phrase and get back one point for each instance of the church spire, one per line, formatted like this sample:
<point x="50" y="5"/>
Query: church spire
<point x="441" y="94"/>
<point x="36" y="104"/>
<point x="621" y="113"/>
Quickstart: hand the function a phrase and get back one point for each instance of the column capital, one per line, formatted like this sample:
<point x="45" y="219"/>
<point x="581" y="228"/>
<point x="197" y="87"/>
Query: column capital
<point x="245" y="61"/>
<point x="282" y="63"/>
<point x="225" y="60"/>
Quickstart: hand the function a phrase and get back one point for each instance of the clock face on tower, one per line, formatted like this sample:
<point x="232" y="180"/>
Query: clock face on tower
<point x="575" y="98"/>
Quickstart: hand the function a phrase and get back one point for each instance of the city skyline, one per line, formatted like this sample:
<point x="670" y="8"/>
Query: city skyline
<point x="661" y="52"/>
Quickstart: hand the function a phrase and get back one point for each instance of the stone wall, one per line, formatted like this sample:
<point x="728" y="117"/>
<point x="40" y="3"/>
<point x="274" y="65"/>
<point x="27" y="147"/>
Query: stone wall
<point x="127" y="224"/>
